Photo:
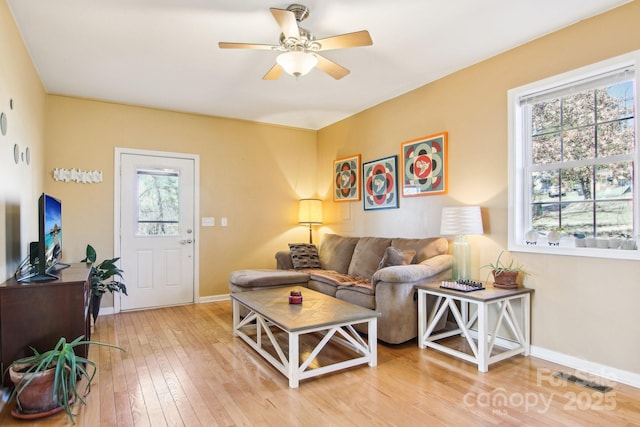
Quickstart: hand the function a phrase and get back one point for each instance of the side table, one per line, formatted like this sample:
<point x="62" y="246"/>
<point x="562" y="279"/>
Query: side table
<point x="500" y="299"/>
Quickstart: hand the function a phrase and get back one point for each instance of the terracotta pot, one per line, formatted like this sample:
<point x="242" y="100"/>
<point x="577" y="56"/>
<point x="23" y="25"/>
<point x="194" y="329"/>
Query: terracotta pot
<point x="37" y="397"/>
<point x="505" y="279"/>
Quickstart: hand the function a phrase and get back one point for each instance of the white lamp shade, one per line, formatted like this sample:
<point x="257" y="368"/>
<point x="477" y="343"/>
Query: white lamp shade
<point x="297" y="63"/>
<point x="310" y="211"/>
<point x="462" y="220"/>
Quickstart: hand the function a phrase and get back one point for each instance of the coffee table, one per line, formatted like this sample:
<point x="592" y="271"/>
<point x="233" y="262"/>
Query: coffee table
<point x="270" y="314"/>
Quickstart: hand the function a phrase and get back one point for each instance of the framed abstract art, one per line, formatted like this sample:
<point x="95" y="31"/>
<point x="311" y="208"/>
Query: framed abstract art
<point x="346" y="179"/>
<point x="424" y="166"/>
<point x="380" y="183"/>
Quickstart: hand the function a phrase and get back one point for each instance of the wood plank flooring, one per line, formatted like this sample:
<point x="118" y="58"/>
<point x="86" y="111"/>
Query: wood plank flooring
<point x="183" y="367"/>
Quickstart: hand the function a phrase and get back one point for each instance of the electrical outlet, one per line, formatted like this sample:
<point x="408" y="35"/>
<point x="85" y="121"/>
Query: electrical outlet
<point x="223" y="221"/>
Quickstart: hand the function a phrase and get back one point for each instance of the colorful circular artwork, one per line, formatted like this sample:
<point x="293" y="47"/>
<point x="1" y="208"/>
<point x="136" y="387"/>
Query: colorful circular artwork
<point x="380" y="184"/>
<point x="346" y="179"/>
<point x="424" y="166"/>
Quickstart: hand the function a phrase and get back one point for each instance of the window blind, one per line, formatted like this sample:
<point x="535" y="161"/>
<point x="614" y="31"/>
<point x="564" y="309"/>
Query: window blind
<point x="602" y="80"/>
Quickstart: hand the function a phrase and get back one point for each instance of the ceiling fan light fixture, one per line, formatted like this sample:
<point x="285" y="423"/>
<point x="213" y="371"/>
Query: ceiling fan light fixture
<point x="297" y="63"/>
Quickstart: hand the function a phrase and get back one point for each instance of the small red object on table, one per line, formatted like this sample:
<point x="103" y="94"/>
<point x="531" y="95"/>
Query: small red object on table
<point x="295" y="297"/>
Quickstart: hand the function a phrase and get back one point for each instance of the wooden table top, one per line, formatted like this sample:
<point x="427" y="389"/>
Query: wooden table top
<point x="489" y="293"/>
<point x="316" y="310"/>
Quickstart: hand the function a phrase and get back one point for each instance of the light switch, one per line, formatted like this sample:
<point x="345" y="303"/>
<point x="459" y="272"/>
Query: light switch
<point x="223" y="221"/>
<point x="208" y="221"/>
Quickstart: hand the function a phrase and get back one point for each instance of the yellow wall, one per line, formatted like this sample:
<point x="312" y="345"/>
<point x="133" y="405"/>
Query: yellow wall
<point x="251" y="173"/>
<point x="20" y="184"/>
<point x="583" y="307"/>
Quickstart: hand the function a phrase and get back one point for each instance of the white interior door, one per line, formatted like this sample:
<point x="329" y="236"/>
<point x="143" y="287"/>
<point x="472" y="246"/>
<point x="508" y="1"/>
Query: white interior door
<point x="157" y="235"/>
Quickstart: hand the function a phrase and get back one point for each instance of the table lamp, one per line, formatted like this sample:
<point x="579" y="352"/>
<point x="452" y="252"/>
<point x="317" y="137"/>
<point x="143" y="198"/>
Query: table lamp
<point x="460" y="222"/>
<point x="310" y="212"/>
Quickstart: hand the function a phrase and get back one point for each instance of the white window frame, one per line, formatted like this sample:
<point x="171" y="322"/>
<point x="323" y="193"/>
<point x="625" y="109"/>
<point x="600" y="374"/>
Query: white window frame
<point x="518" y="189"/>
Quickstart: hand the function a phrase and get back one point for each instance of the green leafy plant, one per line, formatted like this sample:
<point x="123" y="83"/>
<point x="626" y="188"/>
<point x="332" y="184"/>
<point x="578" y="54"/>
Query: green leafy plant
<point x="498" y="267"/>
<point x="104" y="275"/>
<point x="69" y="369"/>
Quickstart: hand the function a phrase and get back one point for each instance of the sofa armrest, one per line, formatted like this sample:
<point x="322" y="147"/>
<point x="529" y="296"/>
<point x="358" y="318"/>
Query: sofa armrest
<point x="283" y="260"/>
<point x="413" y="272"/>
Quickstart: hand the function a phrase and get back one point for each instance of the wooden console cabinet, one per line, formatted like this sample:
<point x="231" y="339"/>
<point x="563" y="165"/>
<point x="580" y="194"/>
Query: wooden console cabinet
<point x="38" y="314"/>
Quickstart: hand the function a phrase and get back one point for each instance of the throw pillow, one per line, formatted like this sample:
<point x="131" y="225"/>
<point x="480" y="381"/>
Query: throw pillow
<point x="393" y="256"/>
<point x="304" y="255"/>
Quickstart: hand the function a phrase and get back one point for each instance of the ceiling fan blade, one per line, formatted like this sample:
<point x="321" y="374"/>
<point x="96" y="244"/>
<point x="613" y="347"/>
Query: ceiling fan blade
<point x="359" y="38"/>
<point x="334" y="70"/>
<point x="227" y="45"/>
<point x="287" y="22"/>
<point x="274" y="73"/>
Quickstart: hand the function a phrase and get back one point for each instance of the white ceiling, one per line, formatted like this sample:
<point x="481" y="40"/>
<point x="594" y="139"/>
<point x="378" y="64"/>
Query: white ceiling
<point x="164" y="53"/>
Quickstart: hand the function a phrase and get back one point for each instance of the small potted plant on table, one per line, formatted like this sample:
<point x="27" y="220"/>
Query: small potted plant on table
<point x="103" y="278"/>
<point x="46" y="383"/>
<point x="505" y="276"/>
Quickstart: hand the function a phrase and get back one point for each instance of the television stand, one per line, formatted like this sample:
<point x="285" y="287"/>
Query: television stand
<point x="37" y="314"/>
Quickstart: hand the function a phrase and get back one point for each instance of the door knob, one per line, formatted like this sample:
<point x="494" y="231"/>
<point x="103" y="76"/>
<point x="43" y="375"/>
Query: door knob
<point x="185" y="241"/>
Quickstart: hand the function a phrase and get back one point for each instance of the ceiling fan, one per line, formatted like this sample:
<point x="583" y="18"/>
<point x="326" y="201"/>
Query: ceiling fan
<point x="300" y="48"/>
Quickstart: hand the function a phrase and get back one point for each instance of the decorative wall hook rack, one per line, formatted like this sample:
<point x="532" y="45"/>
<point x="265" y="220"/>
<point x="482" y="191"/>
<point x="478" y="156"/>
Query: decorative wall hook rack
<point x="76" y="175"/>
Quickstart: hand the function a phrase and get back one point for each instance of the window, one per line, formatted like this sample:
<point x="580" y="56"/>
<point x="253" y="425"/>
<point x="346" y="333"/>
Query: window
<point x="158" y="203"/>
<point x="573" y="156"/>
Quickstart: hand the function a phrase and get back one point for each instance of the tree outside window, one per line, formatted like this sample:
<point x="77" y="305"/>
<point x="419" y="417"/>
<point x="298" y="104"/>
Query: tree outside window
<point x="573" y="155"/>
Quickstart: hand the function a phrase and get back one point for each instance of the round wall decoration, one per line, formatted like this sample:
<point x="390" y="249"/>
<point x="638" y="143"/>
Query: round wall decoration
<point x="3" y="123"/>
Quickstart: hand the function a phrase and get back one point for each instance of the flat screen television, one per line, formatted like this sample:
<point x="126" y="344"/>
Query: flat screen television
<point x="45" y="255"/>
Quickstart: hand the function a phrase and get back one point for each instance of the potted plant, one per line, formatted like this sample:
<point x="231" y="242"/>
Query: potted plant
<point x="103" y="278"/>
<point x="46" y="383"/>
<point x="505" y="276"/>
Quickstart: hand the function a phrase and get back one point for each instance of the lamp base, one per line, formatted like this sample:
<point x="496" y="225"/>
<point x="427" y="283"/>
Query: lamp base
<point x="461" y="251"/>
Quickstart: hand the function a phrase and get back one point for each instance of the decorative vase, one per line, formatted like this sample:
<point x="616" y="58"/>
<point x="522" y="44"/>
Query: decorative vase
<point x="505" y="279"/>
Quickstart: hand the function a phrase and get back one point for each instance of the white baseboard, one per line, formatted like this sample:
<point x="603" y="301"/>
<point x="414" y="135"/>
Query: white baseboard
<point x="214" y="298"/>
<point x="106" y="310"/>
<point x="612" y="374"/>
<point x="607" y="372"/>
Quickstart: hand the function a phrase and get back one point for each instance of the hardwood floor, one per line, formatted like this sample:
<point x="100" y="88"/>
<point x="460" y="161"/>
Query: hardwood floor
<point x="183" y="367"/>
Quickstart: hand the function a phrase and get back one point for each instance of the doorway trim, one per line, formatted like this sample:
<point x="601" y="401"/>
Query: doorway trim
<point x="196" y="211"/>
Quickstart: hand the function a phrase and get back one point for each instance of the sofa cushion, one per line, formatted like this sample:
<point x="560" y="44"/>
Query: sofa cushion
<point x="252" y="279"/>
<point x="425" y="248"/>
<point x="430" y="268"/>
<point x="394" y="256"/>
<point x="322" y="287"/>
<point x="336" y="252"/>
<point x="357" y="295"/>
<point x="304" y="255"/>
<point x="367" y="256"/>
<point x="283" y="260"/>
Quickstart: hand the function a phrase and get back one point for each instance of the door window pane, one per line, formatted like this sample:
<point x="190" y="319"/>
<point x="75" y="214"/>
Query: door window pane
<point x="158" y="203"/>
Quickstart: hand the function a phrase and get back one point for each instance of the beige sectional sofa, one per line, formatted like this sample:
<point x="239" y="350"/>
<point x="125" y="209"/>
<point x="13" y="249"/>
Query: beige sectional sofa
<point x="374" y="272"/>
